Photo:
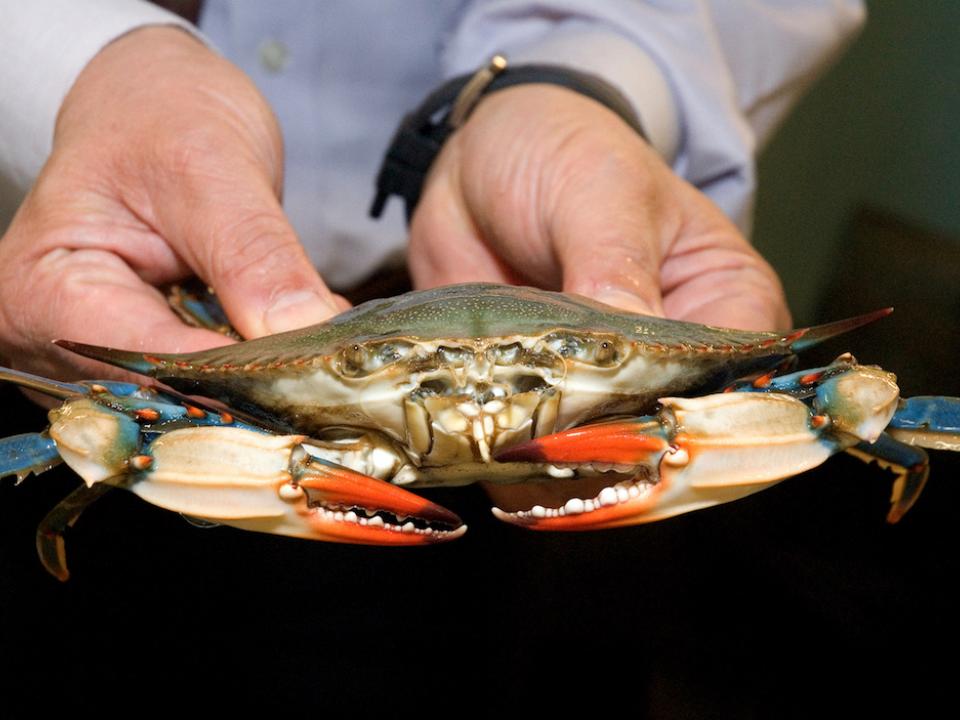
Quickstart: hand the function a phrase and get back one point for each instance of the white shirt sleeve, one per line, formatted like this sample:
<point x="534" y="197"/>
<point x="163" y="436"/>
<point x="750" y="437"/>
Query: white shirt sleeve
<point x="709" y="80"/>
<point x="44" y="44"/>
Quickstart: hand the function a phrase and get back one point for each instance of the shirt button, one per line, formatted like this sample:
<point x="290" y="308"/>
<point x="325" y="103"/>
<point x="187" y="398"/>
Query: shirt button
<point x="273" y="55"/>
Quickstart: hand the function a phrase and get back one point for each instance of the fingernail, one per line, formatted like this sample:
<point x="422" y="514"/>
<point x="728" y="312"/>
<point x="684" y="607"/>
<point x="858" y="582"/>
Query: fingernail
<point x="295" y="310"/>
<point x="626" y="301"/>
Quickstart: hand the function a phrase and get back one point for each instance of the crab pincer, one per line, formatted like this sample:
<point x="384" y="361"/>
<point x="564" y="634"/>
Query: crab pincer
<point x="632" y="449"/>
<point x="243" y="477"/>
<point x="696" y="452"/>
<point x="207" y="465"/>
<point x="338" y="504"/>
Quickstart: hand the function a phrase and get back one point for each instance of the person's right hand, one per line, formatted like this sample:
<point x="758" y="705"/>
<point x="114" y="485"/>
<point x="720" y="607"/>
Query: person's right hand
<point x="167" y="162"/>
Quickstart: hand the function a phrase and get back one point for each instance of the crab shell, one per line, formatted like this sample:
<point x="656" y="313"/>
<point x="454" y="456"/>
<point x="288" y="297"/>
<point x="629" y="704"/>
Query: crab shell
<point x="426" y="387"/>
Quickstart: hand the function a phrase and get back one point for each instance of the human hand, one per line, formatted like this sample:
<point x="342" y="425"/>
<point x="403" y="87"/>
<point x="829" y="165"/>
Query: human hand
<point x="167" y="162"/>
<point x="547" y="187"/>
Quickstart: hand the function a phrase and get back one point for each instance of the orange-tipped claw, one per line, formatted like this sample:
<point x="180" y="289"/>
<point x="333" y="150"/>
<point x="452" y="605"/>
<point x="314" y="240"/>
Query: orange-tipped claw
<point x="347" y="506"/>
<point x="636" y="446"/>
<point x="616" y="443"/>
<point x="270" y="483"/>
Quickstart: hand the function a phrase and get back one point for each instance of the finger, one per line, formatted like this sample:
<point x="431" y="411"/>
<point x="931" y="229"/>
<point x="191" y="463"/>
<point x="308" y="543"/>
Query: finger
<point x="609" y="242"/>
<point x="227" y="222"/>
<point x="341" y="302"/>
<point x="715" y="277"/>
<point x="445" y="243"/>
<point x="198" y="163"/>
<point x="80" y="285"/>
<point x="739" y="297"/>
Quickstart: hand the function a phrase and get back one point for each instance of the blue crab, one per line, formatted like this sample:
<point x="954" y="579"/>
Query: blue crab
<point x="613" y="418"/>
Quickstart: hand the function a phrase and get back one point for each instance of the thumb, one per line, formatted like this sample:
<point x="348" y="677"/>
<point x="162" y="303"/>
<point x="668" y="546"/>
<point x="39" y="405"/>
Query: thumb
<point x="241" y="243"/>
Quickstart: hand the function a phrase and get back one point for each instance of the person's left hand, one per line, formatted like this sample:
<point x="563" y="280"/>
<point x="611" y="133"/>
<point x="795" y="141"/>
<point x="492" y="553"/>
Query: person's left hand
<point x="544" y="186"/>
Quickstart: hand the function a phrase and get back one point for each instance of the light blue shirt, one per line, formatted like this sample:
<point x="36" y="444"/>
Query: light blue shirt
<point x="710" y="80"/>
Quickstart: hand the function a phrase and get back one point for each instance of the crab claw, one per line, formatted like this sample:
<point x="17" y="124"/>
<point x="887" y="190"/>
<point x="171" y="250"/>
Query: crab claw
<point x="632" y="448"/>
<point x="246" y="478"/>
<point x="697" y="452"/>
<point x="270" y="483"/>
<point x="627" y="442"/>
<point x="347" y="506"/>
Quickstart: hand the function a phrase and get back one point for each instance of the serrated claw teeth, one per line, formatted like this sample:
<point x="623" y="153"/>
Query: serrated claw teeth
<point x="351" y="507"/>
<point x="612" y="503"/>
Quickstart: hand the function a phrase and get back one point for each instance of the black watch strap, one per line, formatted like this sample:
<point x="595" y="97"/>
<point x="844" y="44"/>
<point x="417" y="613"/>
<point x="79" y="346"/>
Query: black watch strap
<point x="421" y="134"/>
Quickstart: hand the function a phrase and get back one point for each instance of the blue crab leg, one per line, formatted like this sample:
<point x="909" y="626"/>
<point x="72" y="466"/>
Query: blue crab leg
<point x="269" y="483"/>
<point x="928" y="421"/>
<point x="910" y="464"/>
<point x="21" y="455"/>
<point x="924" y="421"/>
<point x="34" y="453"/>
<point x="50" y="543"/>
<point x="215" y="469"/>
<point x="197" y="305"/>
<point x="206" y="464"/>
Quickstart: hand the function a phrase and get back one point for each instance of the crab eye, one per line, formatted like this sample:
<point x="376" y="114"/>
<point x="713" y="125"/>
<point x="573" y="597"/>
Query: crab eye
<point x="361" y="360"/>
<point x="606" y="353"/>
<point x="584" y="348"/>
<point x="352" y="361"/>
<point x="391" y="352"/>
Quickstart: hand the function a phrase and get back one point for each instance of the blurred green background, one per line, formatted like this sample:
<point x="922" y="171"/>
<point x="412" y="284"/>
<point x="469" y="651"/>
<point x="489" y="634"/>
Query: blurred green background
<point x="879" y="131"/>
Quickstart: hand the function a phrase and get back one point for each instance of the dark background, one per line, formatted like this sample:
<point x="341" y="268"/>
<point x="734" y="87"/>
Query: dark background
<point x="795" y="601"/>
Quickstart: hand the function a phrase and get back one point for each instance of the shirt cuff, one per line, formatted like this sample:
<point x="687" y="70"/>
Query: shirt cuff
<point x="43" y="48"/>
<point x="606" y="54"/>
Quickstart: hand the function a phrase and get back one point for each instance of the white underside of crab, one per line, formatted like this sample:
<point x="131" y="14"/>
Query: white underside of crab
<point x="465" y="411"/>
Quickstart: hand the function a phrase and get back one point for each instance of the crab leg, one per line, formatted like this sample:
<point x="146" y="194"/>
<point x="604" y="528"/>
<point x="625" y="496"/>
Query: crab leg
<point x="208" y="465"/>
<point x="698" y="452"/>
<point x="271" y="483"/>
<point x="910" y="464"/>
<point x="21" y="455"/>
<point x="50" y="543"/>
<point x="928" y="421"/>
<point x="695" y="453"/>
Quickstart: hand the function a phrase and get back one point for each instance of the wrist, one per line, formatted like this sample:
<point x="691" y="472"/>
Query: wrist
<point x="421" y="135"/>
